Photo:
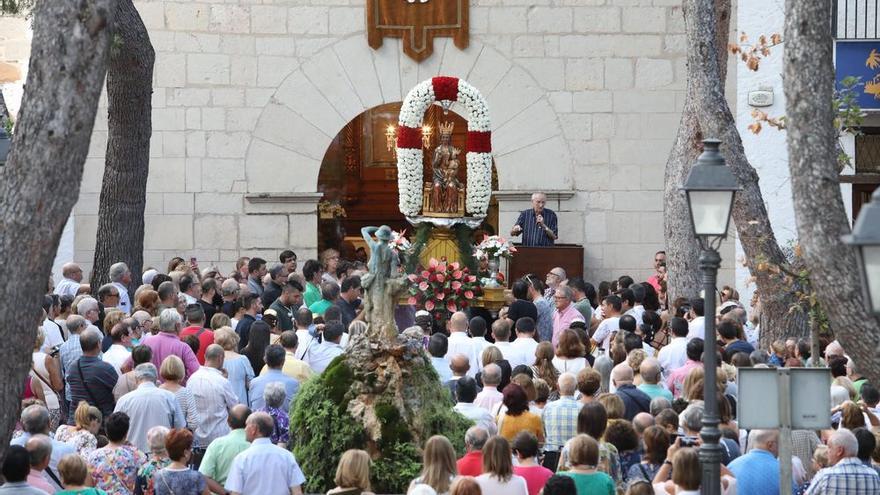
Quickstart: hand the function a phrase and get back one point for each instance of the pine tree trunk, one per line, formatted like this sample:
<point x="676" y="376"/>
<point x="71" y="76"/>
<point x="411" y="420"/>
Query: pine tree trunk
<point x="819" y="211"/>
<point x="749" y="213"/>
<point x="124" y="188"/>
<point x="682" y="249"/>
<point x="40" y="182"/>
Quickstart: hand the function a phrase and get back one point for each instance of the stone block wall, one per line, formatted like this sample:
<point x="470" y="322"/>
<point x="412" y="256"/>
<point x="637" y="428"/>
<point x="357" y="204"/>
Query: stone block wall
<point x="585" y="98"/>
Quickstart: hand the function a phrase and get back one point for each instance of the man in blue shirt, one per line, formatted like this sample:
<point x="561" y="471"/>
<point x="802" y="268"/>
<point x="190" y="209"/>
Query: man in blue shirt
<point x="438" y="347"/>
<point x="275" y="355"/>
<point x="537" y="225"/>
<point x="757" y="473"/>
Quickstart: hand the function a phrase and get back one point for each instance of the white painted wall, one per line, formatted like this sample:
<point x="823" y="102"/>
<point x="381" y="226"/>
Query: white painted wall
<point x="766" y="151"/>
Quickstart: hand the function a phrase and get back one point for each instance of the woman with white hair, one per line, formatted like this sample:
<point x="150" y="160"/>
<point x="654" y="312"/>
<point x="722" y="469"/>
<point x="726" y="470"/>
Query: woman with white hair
<point x="158" y="459"/>
<point x="274" y="395"/>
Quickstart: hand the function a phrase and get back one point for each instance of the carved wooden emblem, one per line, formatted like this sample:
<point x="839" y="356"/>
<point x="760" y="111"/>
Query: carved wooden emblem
<point x="417" y="22"/>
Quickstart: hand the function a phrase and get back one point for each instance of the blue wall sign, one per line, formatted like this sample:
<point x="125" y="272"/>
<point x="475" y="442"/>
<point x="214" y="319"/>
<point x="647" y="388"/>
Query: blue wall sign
<point x="860" y="59"/>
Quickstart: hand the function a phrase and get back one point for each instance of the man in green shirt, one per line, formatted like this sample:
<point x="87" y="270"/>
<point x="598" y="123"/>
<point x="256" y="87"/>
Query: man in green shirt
<point x="650" y="373"/>
<point x="222" y="451"/>
<point x="312" y="272"/>
<point x="329" y="295"/>
<point x="581" y="303"/>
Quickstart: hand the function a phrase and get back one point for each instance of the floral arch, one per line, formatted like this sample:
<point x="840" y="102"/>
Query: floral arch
<point x="445" y="90"/>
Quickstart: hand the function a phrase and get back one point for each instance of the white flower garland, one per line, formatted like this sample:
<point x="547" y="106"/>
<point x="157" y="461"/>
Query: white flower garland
<point x="409" y="160"/>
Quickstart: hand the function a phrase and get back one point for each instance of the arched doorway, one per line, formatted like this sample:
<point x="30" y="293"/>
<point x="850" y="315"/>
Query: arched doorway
<point x="358" y="176"/>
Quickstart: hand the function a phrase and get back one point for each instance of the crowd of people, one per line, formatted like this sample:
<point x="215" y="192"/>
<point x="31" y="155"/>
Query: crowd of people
<point x="185" y="385"/>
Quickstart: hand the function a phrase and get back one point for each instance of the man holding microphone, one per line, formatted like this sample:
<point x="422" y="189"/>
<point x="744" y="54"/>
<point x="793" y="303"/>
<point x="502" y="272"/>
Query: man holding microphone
<point x="537" y="225"/>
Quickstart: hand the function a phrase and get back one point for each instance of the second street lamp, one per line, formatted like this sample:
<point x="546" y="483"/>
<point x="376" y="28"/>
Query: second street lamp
<point x="865" y="238"/>
<point x="710" y="188"/>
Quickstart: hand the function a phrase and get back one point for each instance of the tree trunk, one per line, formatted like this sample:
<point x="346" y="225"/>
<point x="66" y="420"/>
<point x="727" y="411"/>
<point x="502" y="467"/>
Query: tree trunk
<point x="40" y="182"/>
<point x="124" y="188"/>
<point x="749" y="213"/>
<point x="819" y="211"/>
<point x="4" y="112"/>
<point x="682" y="249"/>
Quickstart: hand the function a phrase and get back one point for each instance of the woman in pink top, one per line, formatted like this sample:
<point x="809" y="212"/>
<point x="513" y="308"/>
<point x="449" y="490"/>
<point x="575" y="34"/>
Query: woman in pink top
<point x="525" y="448"/>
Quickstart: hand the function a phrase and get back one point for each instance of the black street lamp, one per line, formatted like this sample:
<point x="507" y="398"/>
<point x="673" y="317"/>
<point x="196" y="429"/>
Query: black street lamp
<point x="865" y="238"/>
<point x="710" y="187"/>
<point x="5" y="144"/>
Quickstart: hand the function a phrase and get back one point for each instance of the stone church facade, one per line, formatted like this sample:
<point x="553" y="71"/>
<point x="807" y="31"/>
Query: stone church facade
<point x="585" y="98"/>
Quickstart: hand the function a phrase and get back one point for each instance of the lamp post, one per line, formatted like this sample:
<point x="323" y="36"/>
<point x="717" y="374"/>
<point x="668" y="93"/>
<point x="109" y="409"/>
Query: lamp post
<point x="865" y="238"/>
<point x="710" y="187"/>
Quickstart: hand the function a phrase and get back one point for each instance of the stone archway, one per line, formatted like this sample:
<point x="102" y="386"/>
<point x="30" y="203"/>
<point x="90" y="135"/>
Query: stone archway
<point x="346" y="78"/>
<point x="341" y="81"/>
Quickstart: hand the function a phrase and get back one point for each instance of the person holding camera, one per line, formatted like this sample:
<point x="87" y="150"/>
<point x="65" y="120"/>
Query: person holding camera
<point x="319" y="355"/>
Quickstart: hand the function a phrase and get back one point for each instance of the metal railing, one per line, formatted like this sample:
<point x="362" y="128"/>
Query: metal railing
<point x="855" y="19"/>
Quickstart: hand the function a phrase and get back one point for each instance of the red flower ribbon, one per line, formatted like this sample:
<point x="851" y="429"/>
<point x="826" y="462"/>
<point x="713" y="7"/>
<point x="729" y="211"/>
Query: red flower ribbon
<point x="410" y="138"/>
<point x="445" y="88"/>
<point x="478" y="141"/>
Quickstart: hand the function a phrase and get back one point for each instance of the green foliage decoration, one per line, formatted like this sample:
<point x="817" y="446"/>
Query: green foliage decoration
<point x="418" y="242"/>
<point x="464" y="235"/>
<point x="324" y="429"/>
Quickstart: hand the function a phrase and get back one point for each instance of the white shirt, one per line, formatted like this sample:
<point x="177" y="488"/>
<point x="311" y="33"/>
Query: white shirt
<point x="190" y="299"/>
<point x="214" y="397"/>
<point x="752" y="333"/>
<point x="697" y="328"/>
<point x="52" y="334"/>
<point x="514" y="355"/>
<point x="303" y="340"/>
<point x="117" y="355"/>
<point x="673" y="355"/>
<point x="149" y="406"/>
<point x="460" y="343"/>
<point x="606" y="329"/>
<point x="527" y="346"/>
<point x="569" y="365"/>
<point x="637" y="312"/>
<point x="67" y="287"/>
<point x="479" y="415"/>
<point x="124" y="301"/>
<point x="488" y="398"/>
<point x="490" y="485"/>
<point x="481" y="343"/>
<point x="264" y="468"/>
<point x="320" y="355"/>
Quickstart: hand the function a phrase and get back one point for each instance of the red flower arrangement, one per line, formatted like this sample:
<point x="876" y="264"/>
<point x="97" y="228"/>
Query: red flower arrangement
<point x="443" y="288"/>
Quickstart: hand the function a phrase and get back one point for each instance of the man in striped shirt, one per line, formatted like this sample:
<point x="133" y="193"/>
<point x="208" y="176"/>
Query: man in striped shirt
<point x="847" y="475"/>
<point x="537" y="225"/>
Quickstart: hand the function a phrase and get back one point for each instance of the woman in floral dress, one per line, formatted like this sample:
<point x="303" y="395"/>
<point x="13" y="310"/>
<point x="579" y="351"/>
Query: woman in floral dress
<point x="82" y="436"/>
<point x="274" y="395"/>
<point x="114" y="467"/>
<point x="158" y="460"/>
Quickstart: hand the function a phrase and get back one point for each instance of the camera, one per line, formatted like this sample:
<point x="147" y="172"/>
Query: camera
<point x="688" y="441"/>
<point x="55" y="351"/>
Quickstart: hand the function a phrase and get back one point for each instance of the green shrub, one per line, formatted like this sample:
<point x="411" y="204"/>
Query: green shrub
<point x="322" y="428"/>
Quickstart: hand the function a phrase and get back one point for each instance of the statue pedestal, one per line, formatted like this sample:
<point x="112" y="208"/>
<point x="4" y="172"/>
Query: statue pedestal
<point x="441" y="244"/>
